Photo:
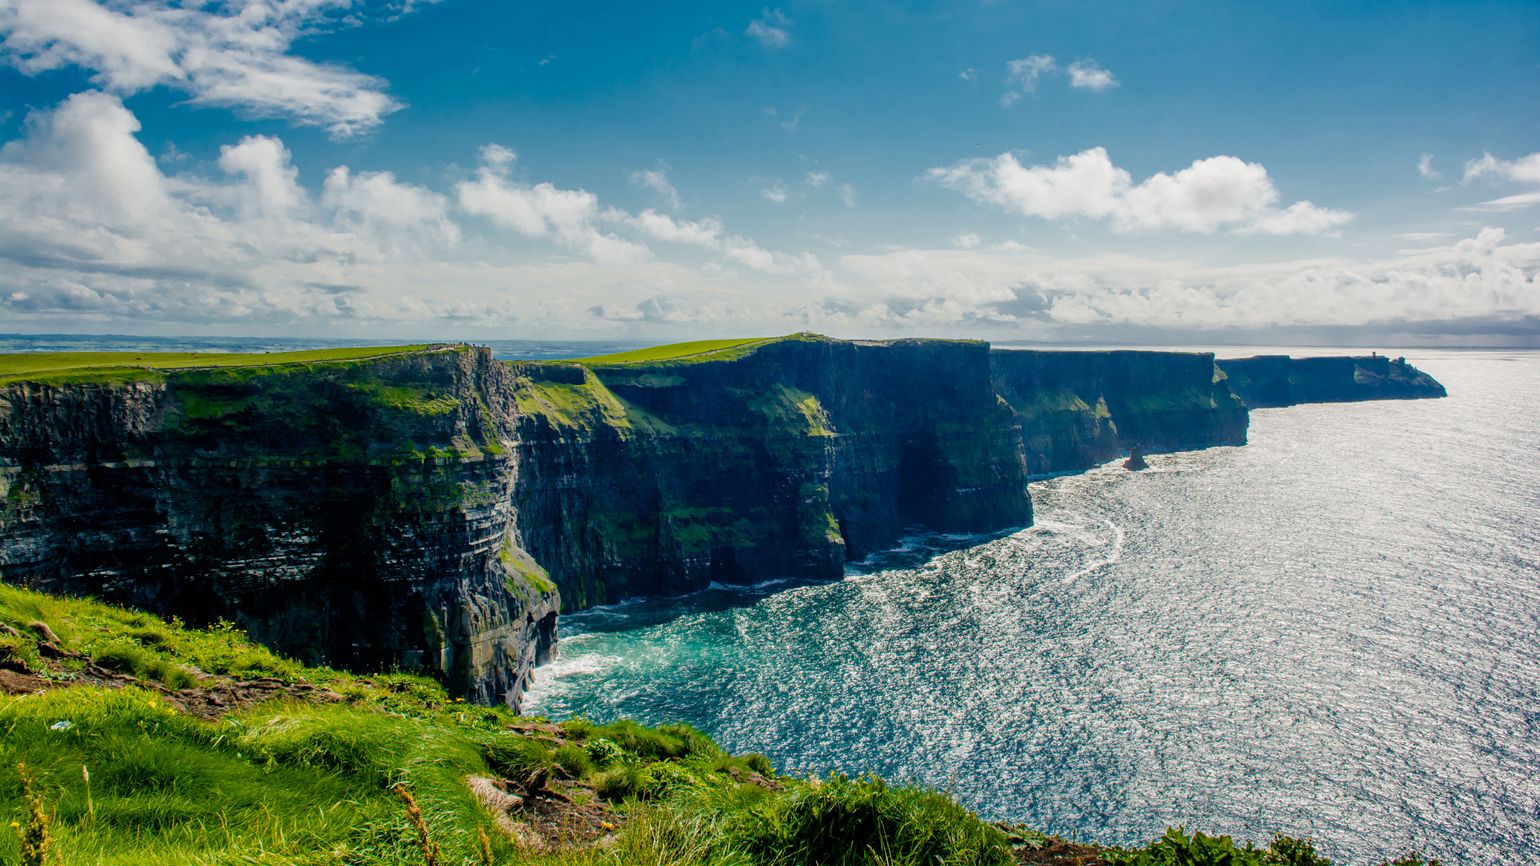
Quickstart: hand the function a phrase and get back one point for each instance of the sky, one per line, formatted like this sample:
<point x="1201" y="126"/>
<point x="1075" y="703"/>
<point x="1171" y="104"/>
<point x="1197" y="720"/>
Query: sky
<point x="1143" y="173"/>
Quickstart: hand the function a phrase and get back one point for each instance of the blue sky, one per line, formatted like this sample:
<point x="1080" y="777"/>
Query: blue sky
<point x="1146" y="172"/>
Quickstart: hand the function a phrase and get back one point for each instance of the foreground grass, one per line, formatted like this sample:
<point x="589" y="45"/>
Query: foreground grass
<point x="111" y="754"/>
<point x="119" y="366"/>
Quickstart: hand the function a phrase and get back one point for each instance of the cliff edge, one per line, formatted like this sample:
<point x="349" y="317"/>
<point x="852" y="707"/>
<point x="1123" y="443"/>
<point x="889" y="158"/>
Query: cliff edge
<point x="1267" y="381"/>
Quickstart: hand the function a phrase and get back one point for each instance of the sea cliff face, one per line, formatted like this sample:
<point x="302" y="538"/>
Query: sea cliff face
<point x="1080" y="409"/>
<point x="432" y="510"/>
<point x="1279" y="380"/>
<point x="785" y="462"/>
<point x="354" y="514"/>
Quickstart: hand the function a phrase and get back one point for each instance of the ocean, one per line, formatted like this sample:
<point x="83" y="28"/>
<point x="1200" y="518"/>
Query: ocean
<point x="1332" y="631"/>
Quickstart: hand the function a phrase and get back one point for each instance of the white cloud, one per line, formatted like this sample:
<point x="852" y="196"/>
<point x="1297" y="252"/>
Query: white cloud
<point x="271" y="178"/>
<point x="1214" y="194"/>
<point x="1021" y="76"/>
<point x="702" y="233"/>
<point x="237" y="56"/>
<point x="390" y="211"/>
<point x="709" y="234"/>
<point x="816" y="179"/>
<point x="1425" y="167"/>
<point x="1087" y="74"/>
<point x="847" y="194"/>
<point x="542" y="210"/>
<point x="1525" y="169"/>
<point x="656" y="179"/>
<point x="969" y="74"/>
<point x="1479" y="279"/>
<point x="774" y="192"/>
<point x="95" y="234"/>
<point x="1517" y="201"/>
<point x="772" y="29"/>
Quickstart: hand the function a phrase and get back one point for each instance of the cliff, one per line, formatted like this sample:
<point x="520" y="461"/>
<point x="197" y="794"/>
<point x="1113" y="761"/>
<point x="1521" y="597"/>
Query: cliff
<point x="353" y="513"/>
<point x="1279" y="380"/>
<point x="1081" y="409"/>
<point x="785" y="459"/>
<point x="430" y="508"/>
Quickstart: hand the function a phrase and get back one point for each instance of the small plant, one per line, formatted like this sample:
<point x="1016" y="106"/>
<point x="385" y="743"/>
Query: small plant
<point x="90" y="805"/>
<point x="622" y="782"/>
<point x="1290" y="851"/>
<point x="605" y="752"/>
<point x="33" y="831"/>
<point x="428" y="847"/>
<point x="759" y="764"/>
<point x="573" y="761"/>
<point x="1176" y="848"/>
<point x="483" y="846"/>
<point x="524" y="762"/>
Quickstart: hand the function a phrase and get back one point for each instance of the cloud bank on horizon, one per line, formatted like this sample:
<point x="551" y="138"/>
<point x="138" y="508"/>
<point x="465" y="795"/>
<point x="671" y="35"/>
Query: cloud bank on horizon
<point x="290" y="166"/>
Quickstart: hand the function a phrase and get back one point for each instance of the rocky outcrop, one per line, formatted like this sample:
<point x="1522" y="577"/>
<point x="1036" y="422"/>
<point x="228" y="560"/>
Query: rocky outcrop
<point x="1081" y="409"/>
<point x="431" y="510"/>
<point x="355" y="514"/>
<point x="1279" y="380"/>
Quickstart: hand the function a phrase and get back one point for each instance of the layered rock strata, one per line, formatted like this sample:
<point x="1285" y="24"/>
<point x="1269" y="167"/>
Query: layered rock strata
<point x="355" y="514"/>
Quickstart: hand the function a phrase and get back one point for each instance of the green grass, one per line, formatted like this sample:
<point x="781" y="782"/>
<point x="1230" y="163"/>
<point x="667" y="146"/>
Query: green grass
<point x="695" y="350"/>
<point x="59" y="367"/>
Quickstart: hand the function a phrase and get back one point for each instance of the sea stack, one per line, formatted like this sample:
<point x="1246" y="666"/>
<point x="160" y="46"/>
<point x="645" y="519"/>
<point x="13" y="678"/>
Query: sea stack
<point x="1135" y="460"/>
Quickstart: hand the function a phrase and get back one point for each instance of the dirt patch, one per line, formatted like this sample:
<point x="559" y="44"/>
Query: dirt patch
<point x="1060" y="853"/>
<point x="17" y="683"/>
<point x="1036" y="849"/>
<point x="562" y="815"/>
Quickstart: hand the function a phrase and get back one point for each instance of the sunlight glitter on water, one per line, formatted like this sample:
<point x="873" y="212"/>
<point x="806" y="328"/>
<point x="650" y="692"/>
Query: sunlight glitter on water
<point x="1332" y="631"/>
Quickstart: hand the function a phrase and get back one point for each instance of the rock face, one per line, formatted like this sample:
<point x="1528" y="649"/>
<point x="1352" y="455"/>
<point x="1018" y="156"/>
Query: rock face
<point x="1278" y="380"/>
<point x="354" y="514"/>
<point x="431" y="510"/>
<point x="1081" y="409"/>
<point x="786" y="462"/>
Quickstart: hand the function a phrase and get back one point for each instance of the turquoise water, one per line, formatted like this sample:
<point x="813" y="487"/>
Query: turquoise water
<point x="1333" y="631"/>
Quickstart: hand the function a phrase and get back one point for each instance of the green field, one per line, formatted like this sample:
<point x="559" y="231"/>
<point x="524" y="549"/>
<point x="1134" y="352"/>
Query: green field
<point x="120" y="366"/>
<point x="696" y="350"/>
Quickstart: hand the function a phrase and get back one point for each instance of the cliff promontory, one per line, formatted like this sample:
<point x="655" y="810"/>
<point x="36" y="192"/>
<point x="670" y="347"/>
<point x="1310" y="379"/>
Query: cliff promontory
<point x="1278" y="380"/>
<point x="430" y="508"/>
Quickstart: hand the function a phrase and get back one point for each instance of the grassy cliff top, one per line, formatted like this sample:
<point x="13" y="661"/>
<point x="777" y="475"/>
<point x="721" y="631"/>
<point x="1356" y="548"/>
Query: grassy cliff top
<point x="695" y="350"/>
<point x="58" y="367"/>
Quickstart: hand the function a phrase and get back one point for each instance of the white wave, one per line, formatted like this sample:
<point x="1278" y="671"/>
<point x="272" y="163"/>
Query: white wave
<point x="1113" y="557"/>
<point x="548" y="680"/>
<point x="749" y="587"/>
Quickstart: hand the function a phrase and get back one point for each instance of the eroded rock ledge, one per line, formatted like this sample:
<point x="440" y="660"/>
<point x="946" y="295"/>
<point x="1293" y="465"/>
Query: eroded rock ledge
<point x="432" y="510"/>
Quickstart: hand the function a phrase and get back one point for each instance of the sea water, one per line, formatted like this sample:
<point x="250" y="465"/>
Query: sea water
<point x="1332" y="631"/>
